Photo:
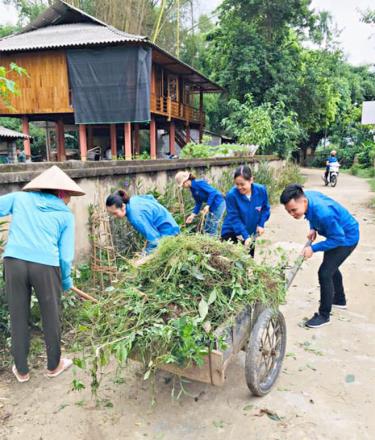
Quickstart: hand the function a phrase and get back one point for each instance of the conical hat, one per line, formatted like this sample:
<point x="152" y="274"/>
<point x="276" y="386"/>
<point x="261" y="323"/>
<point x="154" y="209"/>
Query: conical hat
<point x="54" y="178"/>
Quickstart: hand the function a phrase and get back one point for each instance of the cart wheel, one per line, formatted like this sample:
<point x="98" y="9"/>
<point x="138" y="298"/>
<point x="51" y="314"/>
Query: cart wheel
<point x="265" y="352"/>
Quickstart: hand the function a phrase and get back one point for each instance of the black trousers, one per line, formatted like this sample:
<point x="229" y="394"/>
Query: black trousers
<point x="232" y="237"/>
<point x="20" y="277"/>
<point x="330" y="278"/>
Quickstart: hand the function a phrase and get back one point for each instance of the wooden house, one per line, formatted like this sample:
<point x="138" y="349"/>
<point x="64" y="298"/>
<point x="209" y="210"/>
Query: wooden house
<point x="89" y="75"/>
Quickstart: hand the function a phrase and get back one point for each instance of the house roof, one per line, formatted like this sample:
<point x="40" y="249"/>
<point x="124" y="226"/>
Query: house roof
<point x="66" y="35"/>
<point x="11" y="134"/>
<point x="62" y="25"/>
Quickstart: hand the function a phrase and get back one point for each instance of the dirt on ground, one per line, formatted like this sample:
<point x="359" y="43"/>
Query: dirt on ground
<point x="325" y="391"/>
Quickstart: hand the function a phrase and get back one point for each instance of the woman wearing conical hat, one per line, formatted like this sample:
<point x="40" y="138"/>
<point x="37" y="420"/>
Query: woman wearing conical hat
<point x="39" y="254"/>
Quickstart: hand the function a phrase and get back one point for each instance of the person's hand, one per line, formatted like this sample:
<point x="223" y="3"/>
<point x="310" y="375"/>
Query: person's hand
<point x="249" y="241"/>
<point x="190" y="219"/>
<point x="307" y="252"/>
<point x="311" y="235"/>
<point x="206" y="210"/>
<point x="260" y="230"/>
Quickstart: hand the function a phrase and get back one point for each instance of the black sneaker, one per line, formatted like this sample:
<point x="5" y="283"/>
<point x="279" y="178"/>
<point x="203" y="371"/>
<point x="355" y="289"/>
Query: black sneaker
<point x="317" y="321"/>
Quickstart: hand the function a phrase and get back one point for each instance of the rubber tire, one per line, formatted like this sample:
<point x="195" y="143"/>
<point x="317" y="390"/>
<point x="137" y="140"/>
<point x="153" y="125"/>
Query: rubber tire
<point x="333" y="181"/>
<point x="253" y="352"/>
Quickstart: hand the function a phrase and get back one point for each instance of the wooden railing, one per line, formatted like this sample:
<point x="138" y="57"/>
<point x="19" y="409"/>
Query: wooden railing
<point x="173" y="109"/>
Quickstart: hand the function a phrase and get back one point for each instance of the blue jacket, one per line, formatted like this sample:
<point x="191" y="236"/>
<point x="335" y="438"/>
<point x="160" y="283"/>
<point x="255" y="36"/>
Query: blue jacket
<point x="150" y="219"/>
<point x="331" y="220"/>
<point x="41" y="231"/>
<point x="205" y="193"/>
<point x="244" y="215"/>
<point x="332" y="159"/>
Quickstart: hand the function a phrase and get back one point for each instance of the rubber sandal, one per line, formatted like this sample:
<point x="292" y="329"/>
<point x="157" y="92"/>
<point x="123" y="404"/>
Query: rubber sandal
<point x="18" y="377"/>
<point x="66" y="364"/>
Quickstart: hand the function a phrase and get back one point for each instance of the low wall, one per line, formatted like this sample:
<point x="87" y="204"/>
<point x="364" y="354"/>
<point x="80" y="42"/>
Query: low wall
<point x="102" y="177"/>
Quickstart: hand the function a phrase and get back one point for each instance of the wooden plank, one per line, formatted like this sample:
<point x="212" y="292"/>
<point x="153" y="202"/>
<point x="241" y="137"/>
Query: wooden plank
<point x="201" y="374"/>
<point x="46" y="87"/>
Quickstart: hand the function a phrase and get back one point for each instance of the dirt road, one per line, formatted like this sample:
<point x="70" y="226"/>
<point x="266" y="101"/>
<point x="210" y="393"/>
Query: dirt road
<point x="326" y="389"/>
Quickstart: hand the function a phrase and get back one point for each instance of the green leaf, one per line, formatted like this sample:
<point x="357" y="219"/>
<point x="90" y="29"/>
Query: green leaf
<point x="212" y="297"/>
<point x="203" y="309"/>
<point x="197" y="273"/>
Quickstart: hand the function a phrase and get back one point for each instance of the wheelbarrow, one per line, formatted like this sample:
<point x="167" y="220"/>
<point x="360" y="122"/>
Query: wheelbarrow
<point x="260" y="332"/>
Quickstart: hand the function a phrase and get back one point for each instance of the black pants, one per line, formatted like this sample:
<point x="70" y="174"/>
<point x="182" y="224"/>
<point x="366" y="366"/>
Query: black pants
<point x="330" y="278"/>
<point x="232" y="237"/>
<point x="20" y="277"/>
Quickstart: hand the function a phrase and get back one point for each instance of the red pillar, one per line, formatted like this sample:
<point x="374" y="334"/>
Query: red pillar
<point x="60" y="140"/>
<point x="153" y="138"/>
<point x="113" y="135"/>
<point x="83" y="141"/>
<point x="188" y="137"/>
<point x="172" y="138"/>
<point x="137" y="147"/>
<point x="128" y="140"/>
<point x="201" y="125"/>
<point x="26" y="141"/>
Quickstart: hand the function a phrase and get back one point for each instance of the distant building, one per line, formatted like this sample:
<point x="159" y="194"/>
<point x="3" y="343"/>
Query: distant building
<point x="368" y="113"/>
<point x="8" y="146"/>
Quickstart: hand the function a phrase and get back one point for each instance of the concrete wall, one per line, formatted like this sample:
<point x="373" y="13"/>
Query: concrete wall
<point x="98" y="179"/>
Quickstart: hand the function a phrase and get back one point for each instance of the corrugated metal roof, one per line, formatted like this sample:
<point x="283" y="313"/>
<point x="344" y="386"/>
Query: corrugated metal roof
<point x="7" y="133"/>
<point x="67" y="35"/>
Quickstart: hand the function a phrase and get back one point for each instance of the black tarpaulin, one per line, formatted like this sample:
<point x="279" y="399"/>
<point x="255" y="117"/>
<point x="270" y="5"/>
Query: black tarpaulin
<point x="110" y="85"/>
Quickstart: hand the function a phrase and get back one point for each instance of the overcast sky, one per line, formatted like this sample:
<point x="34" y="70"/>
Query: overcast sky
<point x="355" y="37"/>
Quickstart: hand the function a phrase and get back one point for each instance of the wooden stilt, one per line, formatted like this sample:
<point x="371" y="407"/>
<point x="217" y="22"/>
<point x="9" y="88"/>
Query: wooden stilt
<point x="153" y="138"/>
<point x="201" y="125"/>
<point x="128" y="140"/>
<point x="137" y="146"/>
<point x="172" y="138"/>
<point x="113" y="135"/>
<point x="26" y="141"/>
<point x="83" y="141"/>
<point x="188" y="137"/>
<point x="61" y="156"/>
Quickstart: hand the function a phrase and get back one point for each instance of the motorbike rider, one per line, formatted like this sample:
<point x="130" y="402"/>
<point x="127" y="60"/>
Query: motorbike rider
<point x="331" y="159"/>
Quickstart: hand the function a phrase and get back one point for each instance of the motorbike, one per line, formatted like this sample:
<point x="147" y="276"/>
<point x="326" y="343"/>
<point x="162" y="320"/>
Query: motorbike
<point x="333" y="174"/>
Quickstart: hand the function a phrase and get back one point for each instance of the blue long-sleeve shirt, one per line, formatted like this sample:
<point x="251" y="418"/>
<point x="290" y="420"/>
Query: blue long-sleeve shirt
<point x="41" y="231"/>
<point x="244" y="215"/>
<point x="205" y="193"/>
<point x="150" y="219"/>
<point x="331" y="220"/>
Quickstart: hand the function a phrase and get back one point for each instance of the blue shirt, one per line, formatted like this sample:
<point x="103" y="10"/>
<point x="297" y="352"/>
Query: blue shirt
<point x="203" y="192"/>
<point x="244" y="215"/>
<point x="150" y="219"/>
<point x="41" y="231"/>
<point x="331" y="220"/>
<point x="332" y="159"/>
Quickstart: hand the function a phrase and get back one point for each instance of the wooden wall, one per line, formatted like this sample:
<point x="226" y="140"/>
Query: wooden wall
<point x="46" y="89"/>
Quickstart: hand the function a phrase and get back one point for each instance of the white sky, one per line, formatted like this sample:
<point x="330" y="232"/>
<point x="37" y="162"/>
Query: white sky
<point x="355" y="37"/>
